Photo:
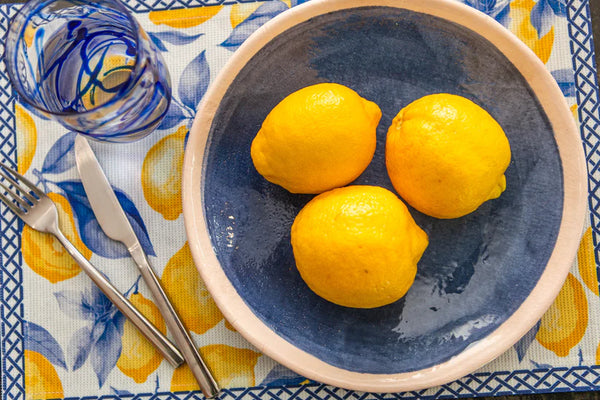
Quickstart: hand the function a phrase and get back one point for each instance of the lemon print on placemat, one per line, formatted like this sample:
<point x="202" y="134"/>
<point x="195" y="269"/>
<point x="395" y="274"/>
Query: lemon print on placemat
<point x="231" y="367"/>
<point x="520" y="25"/>
<point x="184" y="17"/>
<point x="241" y="11"/>
<point x="26" y="138"/>
<point x="586" y="261"/>
<point x="41" y="379"/>
<point x="43" y="252"/>
<point x="564" y="324"/>
<point x="161" y="174"/>
<point x="139" y="358"/>
<point x="185" y="288"/>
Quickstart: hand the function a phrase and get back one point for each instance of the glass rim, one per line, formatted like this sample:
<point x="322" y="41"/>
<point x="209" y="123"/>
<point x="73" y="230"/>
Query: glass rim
<point x="16" y="30"/>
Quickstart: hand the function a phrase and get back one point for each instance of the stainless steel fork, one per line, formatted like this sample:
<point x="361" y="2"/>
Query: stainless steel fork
<point x="39" y="212"/>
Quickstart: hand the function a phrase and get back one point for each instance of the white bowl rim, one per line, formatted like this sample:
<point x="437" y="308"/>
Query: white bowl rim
<point x="478" y="353"/>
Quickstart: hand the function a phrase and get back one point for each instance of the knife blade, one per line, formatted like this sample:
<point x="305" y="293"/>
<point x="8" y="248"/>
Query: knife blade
<point x="114" y="223"/>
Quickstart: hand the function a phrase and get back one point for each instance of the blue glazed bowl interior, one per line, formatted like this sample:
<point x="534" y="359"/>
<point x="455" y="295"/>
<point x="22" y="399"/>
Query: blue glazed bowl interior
<point x="477" y="269"/>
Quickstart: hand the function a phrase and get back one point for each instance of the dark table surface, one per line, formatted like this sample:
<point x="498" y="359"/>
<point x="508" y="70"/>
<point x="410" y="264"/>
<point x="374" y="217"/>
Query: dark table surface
<point x="595" y="13"/>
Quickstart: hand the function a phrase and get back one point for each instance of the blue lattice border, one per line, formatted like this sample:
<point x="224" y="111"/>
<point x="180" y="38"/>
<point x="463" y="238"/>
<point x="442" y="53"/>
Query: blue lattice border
<point x="580" y="378"/>
<point x="586" y="81"/>
<point x="11" y="277"/>
<point x="140" y="6"/>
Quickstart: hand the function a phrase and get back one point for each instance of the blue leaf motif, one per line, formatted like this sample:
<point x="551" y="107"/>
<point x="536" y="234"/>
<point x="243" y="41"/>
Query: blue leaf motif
<point x="98" y="302"/>
<point x="60" y="157"/>
<point x="106" y="352"/>
<point x="91" y="233"/>
<point x="258" y="18"/>
<point x="194" y="81"/>
<point x="559" y="7"/>
<point x="503" y="15"/>
<point x="174" y="37"/>
<point x="119" y="321"/>
<point x="74" y="304"/>
<point x="121" y="392"/>
<point x="80" y="346"/>
<point x="89" y="230"/>
<point x="523" y="345"/>
<point x="175" y="114"/>
<point x="282" y="376"/>
<point x="157" y="42"/>
<point x="541" y="17"/>
<point x="41" y="341"/>
<point x="540" y="366"/>
<point x="565" y="80"/>
<point x="497" y="9"/>
<point x="136" y="221"/>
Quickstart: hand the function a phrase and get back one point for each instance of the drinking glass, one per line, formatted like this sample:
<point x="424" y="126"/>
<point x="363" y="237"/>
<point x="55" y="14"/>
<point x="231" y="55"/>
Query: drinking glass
<point x="90" y="66"/>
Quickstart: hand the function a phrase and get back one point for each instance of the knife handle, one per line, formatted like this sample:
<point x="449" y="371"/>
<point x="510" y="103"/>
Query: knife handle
<point x="168" y="350"/>
<point x="208" y="384"/>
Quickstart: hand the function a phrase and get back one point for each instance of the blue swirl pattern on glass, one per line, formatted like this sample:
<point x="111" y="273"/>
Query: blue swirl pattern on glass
<point x="90" y="66"/>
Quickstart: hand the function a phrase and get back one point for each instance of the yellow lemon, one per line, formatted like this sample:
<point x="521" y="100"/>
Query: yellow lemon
<point x="139" y="358"/>
<point x="586" y="261"/>
<point x="317" y="138"/>
<point x="161" y="174"/>
<point x="564" y="324"/>
<point x="184" y="17"/>
<point x="520" y="25"/>
<point x="357" y="246"/>
<point x="41" y="379"/>
<point x="231" y="367"/>
<point x="43" y="252"/>
<point x="186" y="290"/>
<point x="446" y="155"/>
<point x="26" y="138"/>
<point x="598" y="354"/>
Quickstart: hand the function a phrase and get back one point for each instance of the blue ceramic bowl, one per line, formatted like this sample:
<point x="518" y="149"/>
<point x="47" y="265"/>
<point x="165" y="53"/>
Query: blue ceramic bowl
<point x="484" y="280"/>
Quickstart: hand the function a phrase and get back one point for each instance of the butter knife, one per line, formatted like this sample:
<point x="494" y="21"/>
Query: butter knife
<point x="114" y="223"/>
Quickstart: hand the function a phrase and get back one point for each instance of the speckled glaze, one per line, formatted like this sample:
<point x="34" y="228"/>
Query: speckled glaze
<point x="484" y="279"/>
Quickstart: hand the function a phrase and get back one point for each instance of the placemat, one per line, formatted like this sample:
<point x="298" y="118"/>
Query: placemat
<point x="60" y="338"/>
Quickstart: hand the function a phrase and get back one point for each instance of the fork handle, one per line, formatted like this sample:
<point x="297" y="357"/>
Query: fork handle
<point x="168" y="350"/>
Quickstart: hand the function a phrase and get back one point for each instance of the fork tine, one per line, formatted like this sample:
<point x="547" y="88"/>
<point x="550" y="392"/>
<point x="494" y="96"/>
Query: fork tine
<point x="26" y="181"/>
<point x="11" y="205"/>
<point x="17" y="198"/>
<point x="18" y="187"/>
